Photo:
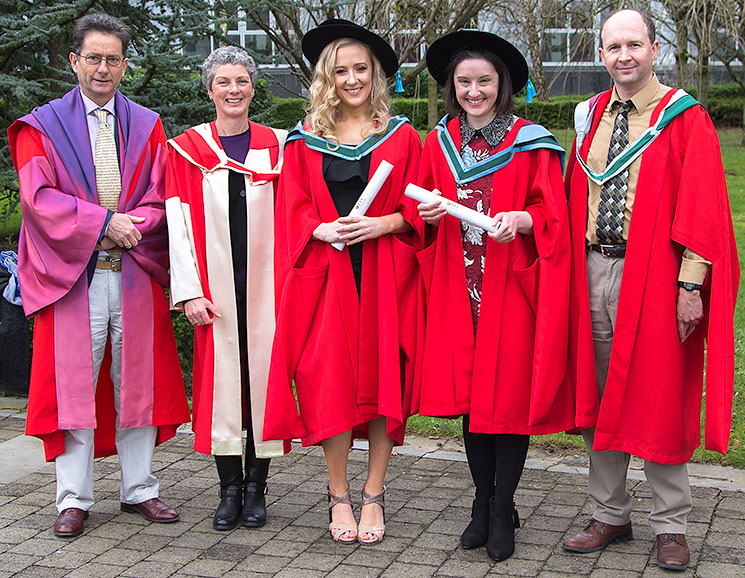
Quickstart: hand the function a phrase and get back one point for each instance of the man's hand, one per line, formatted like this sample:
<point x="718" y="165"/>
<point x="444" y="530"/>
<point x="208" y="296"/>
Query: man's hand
<point x="122" y="230"/>
<point x="690" y="312"/>
<point x="200" y="311"/>
<point x="105" y="244"/>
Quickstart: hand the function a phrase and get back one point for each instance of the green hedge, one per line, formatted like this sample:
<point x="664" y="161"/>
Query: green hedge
<point x="725" y="108"/>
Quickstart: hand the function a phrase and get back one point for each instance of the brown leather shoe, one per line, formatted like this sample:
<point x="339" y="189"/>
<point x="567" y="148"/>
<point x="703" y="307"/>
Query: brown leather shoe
<point x="596" y="536"/>
<point x="672" y="552"/>
<point x="69" y="523"/>
<point x="152" y="510"/>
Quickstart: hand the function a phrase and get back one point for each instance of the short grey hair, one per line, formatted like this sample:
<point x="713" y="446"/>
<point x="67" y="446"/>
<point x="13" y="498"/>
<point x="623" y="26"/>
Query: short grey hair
<point x="226" y="55"/>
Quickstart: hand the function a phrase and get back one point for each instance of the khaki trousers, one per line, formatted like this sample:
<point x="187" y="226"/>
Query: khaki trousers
<point x="671" y="492"/>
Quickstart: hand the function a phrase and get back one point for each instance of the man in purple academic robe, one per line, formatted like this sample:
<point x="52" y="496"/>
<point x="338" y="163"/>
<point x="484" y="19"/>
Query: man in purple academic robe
<point x="93" y="261"/>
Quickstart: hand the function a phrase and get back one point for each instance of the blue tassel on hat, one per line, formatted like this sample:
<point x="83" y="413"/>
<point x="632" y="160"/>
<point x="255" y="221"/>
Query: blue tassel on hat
<point x="399" y="84"/>
<point x="530" y="92"/>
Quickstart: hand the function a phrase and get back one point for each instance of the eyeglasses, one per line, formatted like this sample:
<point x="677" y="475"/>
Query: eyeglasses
<point x="95" y="60"/>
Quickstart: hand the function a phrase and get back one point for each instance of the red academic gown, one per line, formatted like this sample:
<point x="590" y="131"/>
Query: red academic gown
<point x="201" y="266"/>
<point x="651" y="404"/>
<point x="513" y="376"/>
<point x="351" y="359"/>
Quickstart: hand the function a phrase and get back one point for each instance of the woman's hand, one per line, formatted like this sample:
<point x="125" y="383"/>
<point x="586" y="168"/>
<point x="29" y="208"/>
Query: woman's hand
<point x="360" y="228"/>
<point x="511" y="223"/>
<point x="327" y="232"/>
<point x="200" y="311"/>
<point x="431" y="213"/>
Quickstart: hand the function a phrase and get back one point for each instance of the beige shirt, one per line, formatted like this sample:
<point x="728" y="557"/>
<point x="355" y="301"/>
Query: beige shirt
<point x="693" y="268"/>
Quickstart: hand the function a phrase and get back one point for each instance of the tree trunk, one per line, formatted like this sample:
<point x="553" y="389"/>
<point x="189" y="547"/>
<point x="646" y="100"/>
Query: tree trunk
<point x="432" y="115"/>
<point x="536" y="56"/>
<point x="702" y="81"/>
<point x="681" y="55"/>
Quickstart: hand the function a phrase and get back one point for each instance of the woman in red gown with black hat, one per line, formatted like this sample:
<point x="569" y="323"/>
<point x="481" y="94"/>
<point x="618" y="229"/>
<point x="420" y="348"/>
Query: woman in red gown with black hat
<point x="496" y="339"/>
<point x="346" y="329"/>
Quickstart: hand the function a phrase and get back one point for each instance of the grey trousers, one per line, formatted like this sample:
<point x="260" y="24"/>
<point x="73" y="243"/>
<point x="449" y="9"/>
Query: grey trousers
<point x="671" y="492"/>
<point x="134" y="446"/>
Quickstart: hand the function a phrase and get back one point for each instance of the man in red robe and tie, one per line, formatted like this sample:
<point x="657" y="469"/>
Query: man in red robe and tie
<point x="654" y="280"/>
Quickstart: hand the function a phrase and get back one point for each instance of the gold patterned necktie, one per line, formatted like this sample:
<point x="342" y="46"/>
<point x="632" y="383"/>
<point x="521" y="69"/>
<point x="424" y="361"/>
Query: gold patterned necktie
<point x="108" y="177"/>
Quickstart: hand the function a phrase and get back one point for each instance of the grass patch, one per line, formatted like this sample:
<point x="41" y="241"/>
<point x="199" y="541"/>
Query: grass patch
<point x="9" y="226"/>
<point x="733" y="156"/>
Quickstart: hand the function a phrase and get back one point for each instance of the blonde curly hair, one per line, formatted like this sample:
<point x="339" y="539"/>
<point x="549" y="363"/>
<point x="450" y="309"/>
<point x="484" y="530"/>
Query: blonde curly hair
<point x="324" y="108"/>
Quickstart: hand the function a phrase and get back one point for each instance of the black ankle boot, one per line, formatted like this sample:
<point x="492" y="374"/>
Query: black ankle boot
<point x="477" y="531"/>
<point x="229" y="509"/>
<point x="503" y="520"/>
<point x="254" y="505"/>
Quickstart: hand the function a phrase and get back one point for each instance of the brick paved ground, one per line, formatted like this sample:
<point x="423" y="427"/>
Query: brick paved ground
<point x="427" y="507"/>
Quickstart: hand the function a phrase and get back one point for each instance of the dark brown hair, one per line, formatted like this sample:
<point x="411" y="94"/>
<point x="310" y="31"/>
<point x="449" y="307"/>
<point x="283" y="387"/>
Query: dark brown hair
<point x="99" y="22"/>
<point x="504" y="96"/>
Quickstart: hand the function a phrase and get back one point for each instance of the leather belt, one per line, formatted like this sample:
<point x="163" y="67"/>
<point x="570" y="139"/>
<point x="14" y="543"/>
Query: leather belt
<point x="609" y="250"/>
<point x="109" y="263"/>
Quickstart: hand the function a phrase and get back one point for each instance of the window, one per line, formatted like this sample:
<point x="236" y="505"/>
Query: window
<point x="571" y="37"/>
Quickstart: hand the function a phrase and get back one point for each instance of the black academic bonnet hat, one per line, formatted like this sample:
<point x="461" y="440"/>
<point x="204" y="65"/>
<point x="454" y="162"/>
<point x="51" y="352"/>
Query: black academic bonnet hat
<point x="444" y="48"/>
<point x="326" y="32"/>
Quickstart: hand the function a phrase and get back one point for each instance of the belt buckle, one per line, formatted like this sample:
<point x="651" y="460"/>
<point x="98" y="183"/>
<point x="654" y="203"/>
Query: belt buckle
<point x="116" y="264"/>
<point x="606" y="250"/>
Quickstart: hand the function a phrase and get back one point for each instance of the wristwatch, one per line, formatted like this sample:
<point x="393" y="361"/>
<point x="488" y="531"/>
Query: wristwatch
<point x="689" y="286"/>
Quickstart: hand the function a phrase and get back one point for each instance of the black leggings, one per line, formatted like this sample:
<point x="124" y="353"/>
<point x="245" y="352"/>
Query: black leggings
<point x="496" y="462"/>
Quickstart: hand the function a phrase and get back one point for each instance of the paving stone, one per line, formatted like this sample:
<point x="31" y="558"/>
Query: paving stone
<point x="302" y="533"/>
<point x="16" y="562"/>
<point x="370" y="557"/>
<point x="277" y="547"/>
<point x="718" y="570"/>
<point x="417" y="555"/>
<point x="173" y="555"/>
<point x="66" y="559"/>
<point x="405" y="570"/>
<point x="316" y="561"/>
<point x="12" y="535"/>
<point x="196" y="540"/>
<point x="151" y="570"/>
<point x="253" y="538"/>
<point x="299" y="573"/>
<point x="116" y="531"/>
<point x="266" y="564"/>
<point x="516" y="567"/>
<point x="121" y="557"/>
<point x="461" y="568"/>
<point x="347" y="571"/>
<point x="612" y="559"/>
<point x="613" y="573"/>
<point x="551" y="523"/>
<point x="438" y="542"/>
<point x="572" y="564"/>
<point x="93" y="570"/>
<point x="40" y="572"/>
<point x="37" y="547"/>
<point x="208" y="568"/>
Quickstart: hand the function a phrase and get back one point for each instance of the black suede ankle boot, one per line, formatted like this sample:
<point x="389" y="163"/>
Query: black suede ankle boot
<point x="229" y="509"/>
<point x="477" y="531"/>
<point x="503" y="520"/>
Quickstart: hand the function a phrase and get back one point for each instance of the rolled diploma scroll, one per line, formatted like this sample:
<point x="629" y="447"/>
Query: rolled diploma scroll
<point x="452" y="208"/>
<point x="368" y="194"/>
